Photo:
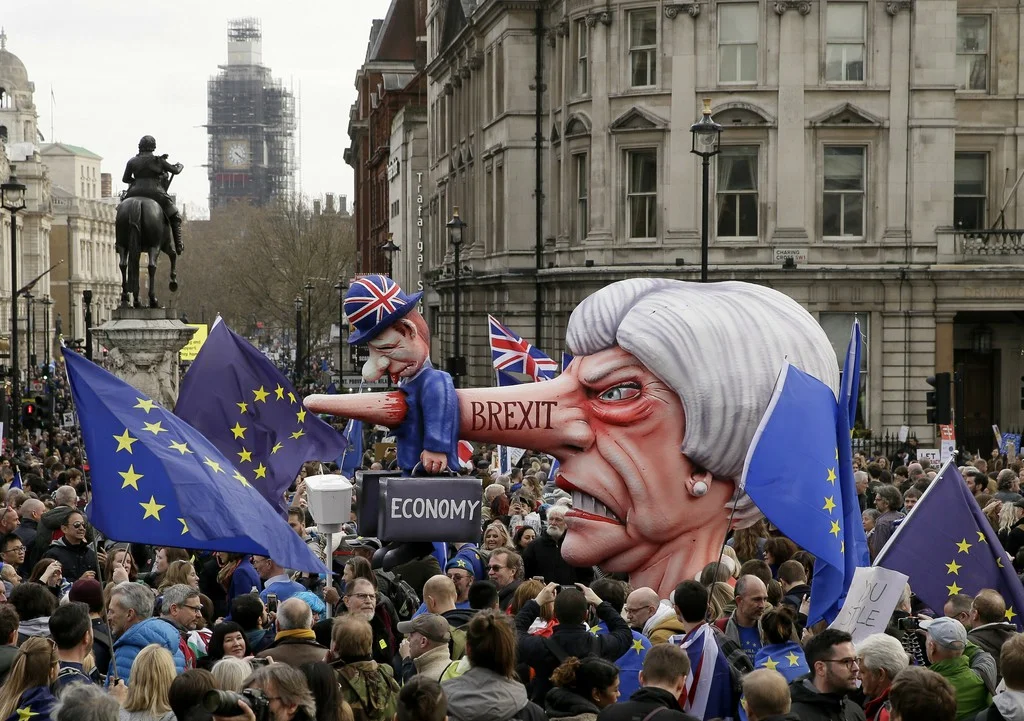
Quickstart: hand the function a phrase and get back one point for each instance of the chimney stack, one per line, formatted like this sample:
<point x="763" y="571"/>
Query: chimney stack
<point x="316" y="207"/>
<point x="343" y="204"/>
<point x="329" y="202"/>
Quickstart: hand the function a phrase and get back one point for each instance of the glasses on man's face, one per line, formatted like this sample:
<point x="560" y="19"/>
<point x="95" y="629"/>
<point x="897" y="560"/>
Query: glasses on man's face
<point x="15" y="549"/>
<point x="371" y="597"/>
<point x="78" y="524"/>
<point x="197" y="610"/>
<point x="456" y="577"/>
<point x="495" y="568"/>
<point x="632" y="611"/>
<point x="850" y="663"/>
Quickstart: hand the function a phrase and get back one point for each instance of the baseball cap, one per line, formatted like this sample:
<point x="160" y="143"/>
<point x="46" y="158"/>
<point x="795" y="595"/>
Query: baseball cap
<point x="430" y="625"/>
<point x="947" y="632"/>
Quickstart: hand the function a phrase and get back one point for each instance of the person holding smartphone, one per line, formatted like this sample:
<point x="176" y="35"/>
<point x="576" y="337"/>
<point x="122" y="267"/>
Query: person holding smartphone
<point x="76" y="558"/>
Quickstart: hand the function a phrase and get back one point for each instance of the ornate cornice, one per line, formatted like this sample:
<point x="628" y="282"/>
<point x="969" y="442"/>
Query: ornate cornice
<point x="464" y="71"/>
<point x="801" y="6"/>
<point x="476" y="60"/>
<point x="563" y="27"/>
<point x="893" y="7"/>
<point x="448" y="90"/>
<point x="552" y="37"/>
<point x="692" y="9"/>
<point x="604" y="17"/>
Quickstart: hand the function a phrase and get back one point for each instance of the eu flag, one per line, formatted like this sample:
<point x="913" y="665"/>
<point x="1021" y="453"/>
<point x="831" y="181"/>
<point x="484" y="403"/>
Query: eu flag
<point x="351" y="459"/>
<point x="795" y="472"/>
<point x="234" y="396"/>
<point x="157" y="480"/>
<point x="946" y="546"/>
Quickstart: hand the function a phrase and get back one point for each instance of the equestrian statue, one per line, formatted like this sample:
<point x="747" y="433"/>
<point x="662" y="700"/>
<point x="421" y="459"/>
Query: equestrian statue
<point x="147" y="221"/>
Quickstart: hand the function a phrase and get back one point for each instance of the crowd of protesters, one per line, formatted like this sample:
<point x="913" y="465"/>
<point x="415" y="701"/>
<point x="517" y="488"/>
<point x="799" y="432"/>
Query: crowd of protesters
<point x="94" y="629"/>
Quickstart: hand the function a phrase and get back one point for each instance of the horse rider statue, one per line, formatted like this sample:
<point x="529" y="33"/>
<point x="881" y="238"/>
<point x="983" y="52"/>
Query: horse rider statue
<point x="148" y="175"/>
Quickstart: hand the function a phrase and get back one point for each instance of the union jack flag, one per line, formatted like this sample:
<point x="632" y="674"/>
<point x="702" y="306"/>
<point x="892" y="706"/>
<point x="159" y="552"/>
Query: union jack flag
<point x="372" y="294"/>
<point x="509" y="352"/>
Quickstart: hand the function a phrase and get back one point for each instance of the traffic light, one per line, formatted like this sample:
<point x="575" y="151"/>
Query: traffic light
<point x="43" y="405"/>
<point x="30" y="414"/>
<point x="940" y="409"/>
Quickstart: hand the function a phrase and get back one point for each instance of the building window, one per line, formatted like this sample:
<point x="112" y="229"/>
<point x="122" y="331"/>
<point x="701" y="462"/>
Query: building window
<point x="499" y="79"/>
<point x="642" y="193"/>
<point x="843" y="201"/>
<point x="846" y="29"/>
<point x="582" y="58"/>
<point x="499" y="208"/>
<point x="737" y="43"/>
<point x="737" y="192"/>
<point x="837" y="327"/>
<point x="970" y="190"/>
<point x="643" y="47"/>
<point x="581" y="179"/>
<point x="972" y="52"/>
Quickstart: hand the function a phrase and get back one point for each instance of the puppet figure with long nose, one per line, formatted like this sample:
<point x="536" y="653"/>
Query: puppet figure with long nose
<point x="652" y="420"/>
<point x="386" y="320"/>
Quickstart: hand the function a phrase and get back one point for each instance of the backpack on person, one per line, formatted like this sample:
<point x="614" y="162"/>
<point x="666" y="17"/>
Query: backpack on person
<point x="403" y="596"/>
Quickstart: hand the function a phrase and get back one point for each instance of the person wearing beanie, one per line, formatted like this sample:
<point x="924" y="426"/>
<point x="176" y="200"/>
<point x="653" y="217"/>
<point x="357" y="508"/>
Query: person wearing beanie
<point x="90" y="592"/>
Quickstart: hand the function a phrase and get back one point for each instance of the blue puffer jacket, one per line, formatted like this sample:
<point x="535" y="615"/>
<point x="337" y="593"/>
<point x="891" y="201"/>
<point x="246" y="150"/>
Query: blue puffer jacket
<point x="136" y="638"/>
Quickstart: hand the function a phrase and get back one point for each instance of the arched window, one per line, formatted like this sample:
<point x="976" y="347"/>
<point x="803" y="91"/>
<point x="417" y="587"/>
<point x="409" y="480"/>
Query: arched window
<point x="5" y="99"/>
<point x="3" y="133"/>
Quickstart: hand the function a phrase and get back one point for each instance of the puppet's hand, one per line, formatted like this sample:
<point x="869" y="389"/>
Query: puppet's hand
<point x="433" y="463"/>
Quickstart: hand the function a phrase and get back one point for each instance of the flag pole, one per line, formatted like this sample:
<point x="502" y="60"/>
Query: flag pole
<point x="903" y="523"/>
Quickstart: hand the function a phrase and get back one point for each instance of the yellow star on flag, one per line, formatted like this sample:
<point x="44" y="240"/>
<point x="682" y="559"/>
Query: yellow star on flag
<point x="964" y="546"/>
<point x="261" y="395"/>
<point x="245" y="456"/>
<point x="830" y="504"/>
<point x="831" y="476"/>
<point x="594" y="629"/>
<point x="213" y="464"/>
<point x="144" y="404"/>
<point x="793" y="659"/>
<point x="999" y="562"/>
<point x="954" y="589"/>
<point x="279" y="392"/>
<point x="25" y="713"/>
<point x="981" y="537"/>
<point x="638" y="645"/>
<point x="835" y="529"/>
<point x="261" y="471"/>
<point x="241" y="479"/>
<point x="298" y="434"/>
<point x="130" y="477"/>
<point x="953" y="567"/>
<point x="239" y="430"/>
<point x="276" y="448"/>
<point x="243" y="407"/>
<point x="301" y="415"/>
<point x="152" y="509"/>
<point x="1010" y="613"/>
<point x="154" y="428"/>
<point x="184" y="526"/>
<point x="771" y="663"/>
<point x="181" y="448"/>
<point x="291" y="397"/>
<point x="124" y="442"/>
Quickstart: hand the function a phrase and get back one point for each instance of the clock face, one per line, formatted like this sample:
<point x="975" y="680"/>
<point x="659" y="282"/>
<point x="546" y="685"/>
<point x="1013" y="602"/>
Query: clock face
<point x="236" y="153"/>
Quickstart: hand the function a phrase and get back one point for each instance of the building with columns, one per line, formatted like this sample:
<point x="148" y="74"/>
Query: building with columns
<point x="20" y="152"/>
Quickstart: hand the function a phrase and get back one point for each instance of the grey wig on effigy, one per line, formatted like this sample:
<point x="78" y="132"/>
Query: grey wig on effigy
<point x="719" y="346"/>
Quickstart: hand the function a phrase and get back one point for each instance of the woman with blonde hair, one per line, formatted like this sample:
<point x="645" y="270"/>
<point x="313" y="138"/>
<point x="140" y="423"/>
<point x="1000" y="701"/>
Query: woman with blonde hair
<point x="152" y="674"/>
<point x="26" y="690"/>
<point x="180" y="572"/>
<point x="497" y="536"/>
<point x="720" y="600"/>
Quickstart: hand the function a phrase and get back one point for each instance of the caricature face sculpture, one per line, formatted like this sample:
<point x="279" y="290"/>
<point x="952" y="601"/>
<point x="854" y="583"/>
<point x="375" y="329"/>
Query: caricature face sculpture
<point x="652" y="420"/>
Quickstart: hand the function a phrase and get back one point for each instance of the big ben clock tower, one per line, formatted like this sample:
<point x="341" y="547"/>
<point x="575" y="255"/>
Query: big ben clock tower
<point x="251" y="125"/>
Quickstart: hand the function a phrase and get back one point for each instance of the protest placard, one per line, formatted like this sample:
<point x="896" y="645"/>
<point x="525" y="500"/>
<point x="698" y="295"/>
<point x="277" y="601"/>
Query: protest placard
<point x="869" y="604"/>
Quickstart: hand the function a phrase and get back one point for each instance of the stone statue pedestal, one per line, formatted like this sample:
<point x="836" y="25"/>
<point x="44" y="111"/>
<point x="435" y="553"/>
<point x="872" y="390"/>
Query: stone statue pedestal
<point x="143" y="345"/>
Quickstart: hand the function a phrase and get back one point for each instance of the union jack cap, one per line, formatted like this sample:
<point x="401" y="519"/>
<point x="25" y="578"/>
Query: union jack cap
<point x="373" y="303"/>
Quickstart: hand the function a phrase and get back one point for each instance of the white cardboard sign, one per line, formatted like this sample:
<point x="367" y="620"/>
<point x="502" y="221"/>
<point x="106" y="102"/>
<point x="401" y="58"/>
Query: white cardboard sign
<point x="869" y="604"/>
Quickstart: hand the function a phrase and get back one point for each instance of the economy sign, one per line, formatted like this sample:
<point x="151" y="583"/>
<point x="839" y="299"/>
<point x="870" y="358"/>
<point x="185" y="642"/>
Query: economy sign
<point x="441" y="508"/>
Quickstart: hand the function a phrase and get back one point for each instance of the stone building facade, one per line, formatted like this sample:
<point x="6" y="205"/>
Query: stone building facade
<point x="875" y="143"/>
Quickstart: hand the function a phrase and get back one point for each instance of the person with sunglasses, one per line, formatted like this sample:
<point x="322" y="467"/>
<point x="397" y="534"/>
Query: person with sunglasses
<point x="76" y="558"/>
<point x="835" y="672"/>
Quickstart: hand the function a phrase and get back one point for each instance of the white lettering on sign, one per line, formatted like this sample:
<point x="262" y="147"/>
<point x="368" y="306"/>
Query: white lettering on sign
<point x="419" y="235"/>
<point x="873" y="596"/>
<point x="432" y="508"/>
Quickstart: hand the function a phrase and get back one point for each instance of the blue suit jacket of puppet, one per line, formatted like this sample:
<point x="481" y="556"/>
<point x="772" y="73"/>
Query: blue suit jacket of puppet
<point x="432" y="420"/>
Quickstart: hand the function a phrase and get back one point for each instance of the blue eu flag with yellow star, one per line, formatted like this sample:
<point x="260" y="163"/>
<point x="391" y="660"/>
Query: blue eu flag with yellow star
<point x="157" y="480"/>
<point x="947" y="546"/>
<point x="799" y="472"/>
<point x="235" y="397"/>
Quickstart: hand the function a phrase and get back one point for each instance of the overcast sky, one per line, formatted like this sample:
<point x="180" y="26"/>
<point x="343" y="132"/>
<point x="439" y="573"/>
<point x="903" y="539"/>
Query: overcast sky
<point x="120" y="69"/>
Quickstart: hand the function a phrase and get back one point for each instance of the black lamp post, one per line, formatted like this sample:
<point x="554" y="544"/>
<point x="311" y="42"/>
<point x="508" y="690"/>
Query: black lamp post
<point x="706" y="135"/>
<point x="47" y="302"/>
<point x="298" y="340"/>
<point x="12" y="198"/>
<point x="456" y="226"/>
<point x="342" y="287"/>
<point x="30" y="355"/>
<point x="391" y="247"/>
<point x="309" y="327"/>
<point x="87" y="298"/>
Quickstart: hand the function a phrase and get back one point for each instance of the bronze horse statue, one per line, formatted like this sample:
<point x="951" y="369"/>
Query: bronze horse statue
<point x="142" y="226"/>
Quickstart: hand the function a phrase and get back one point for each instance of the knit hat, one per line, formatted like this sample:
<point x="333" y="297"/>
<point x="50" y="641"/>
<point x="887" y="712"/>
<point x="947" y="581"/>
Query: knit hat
<point x="88" y="591"/>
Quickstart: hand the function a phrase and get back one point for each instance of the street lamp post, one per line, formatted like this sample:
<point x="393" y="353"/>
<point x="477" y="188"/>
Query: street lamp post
<point x="12" y="198"/>
<point x="456" y="226"/>
<point x="30" y="355"/>
<point x="706" y="136"/>
<point x="47" y="302"/>
<point x="342" y="287"/>
<point x="298" y="340"/>
<point x="391" y="247"/>
<point x="309" y="328"/>
<point x="87" y="302"/>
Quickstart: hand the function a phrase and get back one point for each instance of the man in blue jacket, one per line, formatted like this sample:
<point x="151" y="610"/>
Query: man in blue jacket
<point x="129" y="616"/>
